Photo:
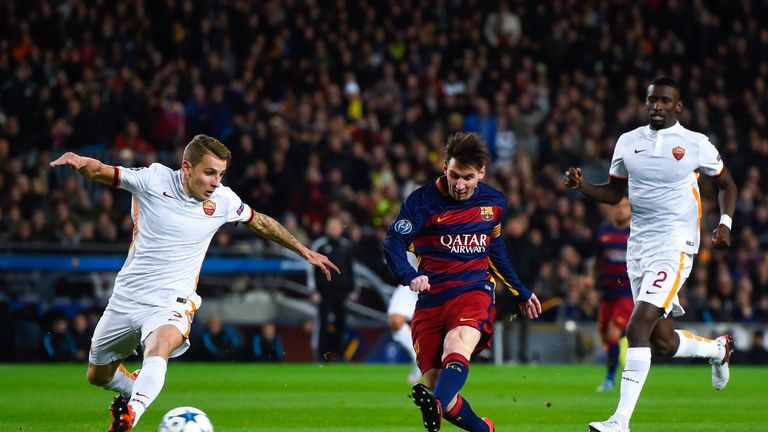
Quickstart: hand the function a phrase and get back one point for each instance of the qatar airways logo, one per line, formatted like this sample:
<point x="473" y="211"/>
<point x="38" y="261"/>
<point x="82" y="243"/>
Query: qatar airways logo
<point x="465" y="243"/>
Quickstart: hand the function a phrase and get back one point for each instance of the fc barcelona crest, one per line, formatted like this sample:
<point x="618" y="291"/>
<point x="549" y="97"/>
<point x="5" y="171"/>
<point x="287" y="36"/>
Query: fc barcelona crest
<point x="209" y="207"/>
<point x="486" y="213"/>
<point x="678" y="152"/>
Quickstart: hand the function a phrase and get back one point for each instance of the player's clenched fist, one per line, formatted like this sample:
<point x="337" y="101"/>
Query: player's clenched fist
<point x="721" y="237"/>
<point x="573" y="178"/>
<point x="71" y="159"/>
<point x="420" y="284"/>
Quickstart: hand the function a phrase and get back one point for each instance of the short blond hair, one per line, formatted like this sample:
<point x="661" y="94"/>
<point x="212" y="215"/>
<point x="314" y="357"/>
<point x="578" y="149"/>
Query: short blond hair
<point x="202" y="145"/>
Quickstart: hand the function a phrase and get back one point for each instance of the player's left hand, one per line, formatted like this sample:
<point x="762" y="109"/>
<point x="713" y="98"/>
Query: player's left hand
<point x="323" y="263"/>
<point x="531" y="308"/>
<point x="721" y="237"/>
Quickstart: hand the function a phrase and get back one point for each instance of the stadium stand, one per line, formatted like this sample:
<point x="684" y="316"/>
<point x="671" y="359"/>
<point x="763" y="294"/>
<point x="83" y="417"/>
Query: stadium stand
<point x="342" y="108"/>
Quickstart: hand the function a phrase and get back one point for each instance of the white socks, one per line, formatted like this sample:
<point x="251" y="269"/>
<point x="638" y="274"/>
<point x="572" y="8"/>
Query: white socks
<point x="697" y="346"/>
<point x="148" y="385"/>
<point x="403" y="337"/>
<point x="632" y="380"/>
<point x="122" y="382"/>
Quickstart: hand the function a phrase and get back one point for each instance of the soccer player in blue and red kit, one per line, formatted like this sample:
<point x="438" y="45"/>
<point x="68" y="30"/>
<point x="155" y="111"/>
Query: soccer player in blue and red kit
<point x="453" y="225"/>
<point x="615" y="292"/>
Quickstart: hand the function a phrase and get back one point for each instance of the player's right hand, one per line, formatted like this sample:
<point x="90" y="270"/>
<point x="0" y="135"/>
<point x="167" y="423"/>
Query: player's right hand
<point x="69" y="158"/>
<point x="420" y="284"/>
<point x="573" y="178"/>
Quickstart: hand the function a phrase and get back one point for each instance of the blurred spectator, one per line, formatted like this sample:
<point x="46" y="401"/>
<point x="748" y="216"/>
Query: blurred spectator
<point x="130" y="149"/>
<point x="28" y="334"/>
<point x="220" y="341"/>
<point x="581" y="300"/>
<point x="58" y="342"/>
<point x="524" y="259"/>
<point x="331" y="295"/>
<point x="267" y="345"/>
<point x="502" y="27"/>
<point x="81" y="335"/>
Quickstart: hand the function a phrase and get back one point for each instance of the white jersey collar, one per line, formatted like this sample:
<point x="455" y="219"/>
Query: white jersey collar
<point x="666" y="131"/>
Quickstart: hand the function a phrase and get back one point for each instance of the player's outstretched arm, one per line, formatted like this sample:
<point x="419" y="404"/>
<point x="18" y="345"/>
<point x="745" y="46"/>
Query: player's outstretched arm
<point x="272" y="230"/>
<point x="89" y="168"/>
<point x="610" y="193"/>
<point x="721" y="237"/>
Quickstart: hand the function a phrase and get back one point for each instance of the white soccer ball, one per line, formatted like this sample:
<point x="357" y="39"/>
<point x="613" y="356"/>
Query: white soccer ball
<point x="185" y="419"/>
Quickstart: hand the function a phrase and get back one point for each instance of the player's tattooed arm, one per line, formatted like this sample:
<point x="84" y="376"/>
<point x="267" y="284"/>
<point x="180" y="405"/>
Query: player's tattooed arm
<point x="272" y="230"/>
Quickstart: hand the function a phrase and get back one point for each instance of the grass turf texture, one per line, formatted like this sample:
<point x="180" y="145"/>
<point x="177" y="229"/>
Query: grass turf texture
<point x="304" y="397"/>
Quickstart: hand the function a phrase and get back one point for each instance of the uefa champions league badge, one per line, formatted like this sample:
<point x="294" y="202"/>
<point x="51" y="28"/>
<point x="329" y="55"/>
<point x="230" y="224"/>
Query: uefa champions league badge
<point x="209" y="207"/>
<point x="403" y="226"/>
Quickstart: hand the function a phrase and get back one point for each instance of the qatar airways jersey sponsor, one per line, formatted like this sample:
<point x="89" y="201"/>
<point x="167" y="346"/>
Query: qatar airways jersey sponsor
<point x="465" y="243"/>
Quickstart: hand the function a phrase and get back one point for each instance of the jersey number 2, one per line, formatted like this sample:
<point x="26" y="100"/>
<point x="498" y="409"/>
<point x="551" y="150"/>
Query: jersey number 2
<point x="662" y="278"/>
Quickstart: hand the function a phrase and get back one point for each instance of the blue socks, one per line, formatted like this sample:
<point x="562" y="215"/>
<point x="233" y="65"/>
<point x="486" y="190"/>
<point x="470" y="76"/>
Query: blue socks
<point x="462" y="416"/>
<point x="613" y="361"/>
<point x="451" y="380"/>
<point x="452" y="377"/>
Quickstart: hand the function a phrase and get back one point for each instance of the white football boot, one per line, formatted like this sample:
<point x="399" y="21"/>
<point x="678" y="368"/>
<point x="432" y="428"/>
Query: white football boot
<point x="720" y="371"/>
<point x="610" y="425"/>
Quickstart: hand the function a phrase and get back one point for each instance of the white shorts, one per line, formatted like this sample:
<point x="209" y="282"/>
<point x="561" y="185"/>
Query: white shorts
<point x="403" y="302"/>
<point x="122" y="328"/>
<point x="657" y="279"/>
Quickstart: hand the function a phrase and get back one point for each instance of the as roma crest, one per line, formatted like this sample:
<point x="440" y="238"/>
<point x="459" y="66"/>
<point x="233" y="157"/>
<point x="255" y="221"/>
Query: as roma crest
<point x="209" y="207"/>
<point x="678" y="152"/>
<point x="486" y="213"/>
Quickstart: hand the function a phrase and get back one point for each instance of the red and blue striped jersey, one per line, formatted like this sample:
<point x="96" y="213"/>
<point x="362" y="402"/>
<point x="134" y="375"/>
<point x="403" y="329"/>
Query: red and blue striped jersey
<point x="611" y="262"/>
<point x="458" y="244"/>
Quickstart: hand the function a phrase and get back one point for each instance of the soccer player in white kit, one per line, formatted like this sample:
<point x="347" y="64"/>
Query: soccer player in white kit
<point x="660" y="163"/>
<point x="399" y="316"/>
<point x="402" y="304"/>
<point x="175" y="215"/>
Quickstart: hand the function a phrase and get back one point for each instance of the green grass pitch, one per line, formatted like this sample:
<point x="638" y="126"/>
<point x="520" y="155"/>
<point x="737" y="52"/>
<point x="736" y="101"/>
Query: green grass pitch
<point x="308" y="397"/>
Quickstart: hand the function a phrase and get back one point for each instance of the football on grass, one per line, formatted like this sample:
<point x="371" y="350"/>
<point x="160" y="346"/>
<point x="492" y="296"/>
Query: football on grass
<point x="185" y="419"/>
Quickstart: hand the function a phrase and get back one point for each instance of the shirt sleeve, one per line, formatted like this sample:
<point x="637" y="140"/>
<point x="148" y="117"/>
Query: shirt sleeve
<point x="618" y="169"/>
<point x="134" y="180"/>
<point x="237" y="210"/>
<point x="710" y="162"/>
<point x="400" y="235"/>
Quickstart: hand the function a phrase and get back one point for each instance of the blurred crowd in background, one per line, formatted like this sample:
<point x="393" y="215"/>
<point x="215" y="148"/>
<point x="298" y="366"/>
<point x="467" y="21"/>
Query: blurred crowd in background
<point x="342" y="108"/>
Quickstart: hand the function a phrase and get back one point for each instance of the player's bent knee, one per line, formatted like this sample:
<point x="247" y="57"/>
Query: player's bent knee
<point x="664" y="348"/>
<point x="160" y="347"/>
<point x="98" y="377"/>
